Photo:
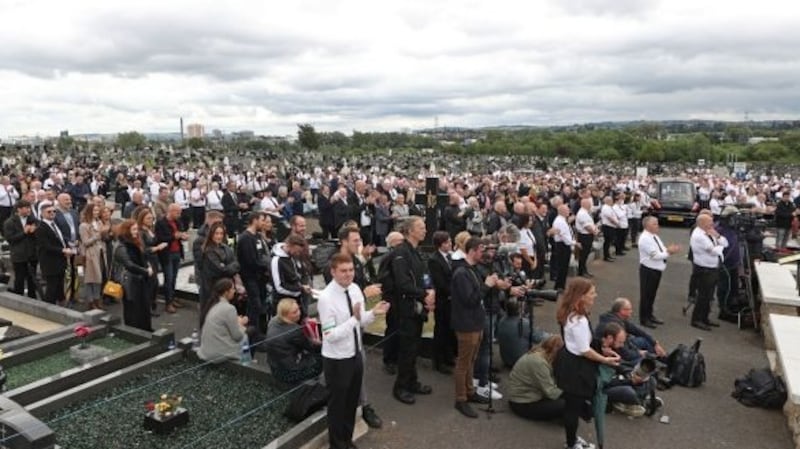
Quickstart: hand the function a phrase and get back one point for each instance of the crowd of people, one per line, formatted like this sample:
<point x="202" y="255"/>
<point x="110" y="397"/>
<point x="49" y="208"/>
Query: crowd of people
<point x="501" y="236"/>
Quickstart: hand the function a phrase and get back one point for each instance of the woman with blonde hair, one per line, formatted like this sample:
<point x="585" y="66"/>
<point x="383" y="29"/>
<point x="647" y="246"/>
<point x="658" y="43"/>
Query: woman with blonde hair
<point x="292" y="356"/>
<point x="532" y="390"/>
<point x="575" y="367"/>
<point x="94" y="251"/>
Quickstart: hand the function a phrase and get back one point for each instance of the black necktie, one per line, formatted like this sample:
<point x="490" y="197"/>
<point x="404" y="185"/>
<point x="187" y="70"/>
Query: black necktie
<point x="58" y="233"/>
<point x="660" y="248"/>
<point x="350" y="307"/>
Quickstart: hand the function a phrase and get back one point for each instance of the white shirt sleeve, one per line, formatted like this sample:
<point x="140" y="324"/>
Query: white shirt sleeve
<point x="577" y="334"/>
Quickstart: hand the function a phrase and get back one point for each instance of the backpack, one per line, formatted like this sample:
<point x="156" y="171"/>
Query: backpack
<point x="321" y="256"/>
<point x="306" y="400"/>
<point x="686" y="366"/>
<point x="385" y="276"/>
<point x="760" y="388"/>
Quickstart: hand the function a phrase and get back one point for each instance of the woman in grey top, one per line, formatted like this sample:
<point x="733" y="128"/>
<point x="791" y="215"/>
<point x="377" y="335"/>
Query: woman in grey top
<point x="222" y="330"/>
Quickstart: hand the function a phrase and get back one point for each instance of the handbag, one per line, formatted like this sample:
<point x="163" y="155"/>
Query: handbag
<point x="308" y="399"/>
<point x="114" y="290"/>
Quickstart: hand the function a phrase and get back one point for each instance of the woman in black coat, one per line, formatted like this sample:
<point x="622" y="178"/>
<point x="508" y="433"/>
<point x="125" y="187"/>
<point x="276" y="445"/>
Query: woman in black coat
<point x="134" y="272"/>
<point x="219" y="260"/>
<point x="326" y="212"/>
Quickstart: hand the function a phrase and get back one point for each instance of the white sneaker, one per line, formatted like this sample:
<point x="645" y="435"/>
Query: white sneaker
<point x="583" y="443"/>
<point x="476" y="384"/>
<point x="633" y="410"/>
<point x="484" y="391"/>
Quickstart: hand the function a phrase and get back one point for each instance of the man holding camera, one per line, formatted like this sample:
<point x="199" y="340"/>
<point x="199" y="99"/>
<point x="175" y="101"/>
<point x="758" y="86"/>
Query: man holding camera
<point x="469" y="288"/>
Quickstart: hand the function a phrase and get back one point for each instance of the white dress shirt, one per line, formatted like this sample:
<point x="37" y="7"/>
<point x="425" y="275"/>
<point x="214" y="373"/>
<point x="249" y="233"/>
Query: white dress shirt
<point x="715" y="206"/>
<point x="706" y="250"/>
<point x="583" y="222"/>
<point x="338" y="323"/>
<point x="182" y="198"/>
<point x="652" y="251"/>
<point x="197" y="199"/>
<point x="607" y="216"/>
<point x="8" y="196"/>
<point x="564" y="232"/>
<point x="622" y="215"/>
<point x="214" y="200"/>
<point x="527" y="241"/>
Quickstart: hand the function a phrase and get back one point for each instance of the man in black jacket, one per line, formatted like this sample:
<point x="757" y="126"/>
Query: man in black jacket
<point x="289" y="276"/>
<point x="168" y="231"/>
<point x="637" y="341"/>
<point x="212" y="216"/>
<point x="19" y="231"/>
<point x="439" y="265"/>
<point x="53" y="252"/>
<point x="413" y="301"/>
<point x="453" y="216"/>
<point x="469" y="288"/>
<point x="253" y="255"/>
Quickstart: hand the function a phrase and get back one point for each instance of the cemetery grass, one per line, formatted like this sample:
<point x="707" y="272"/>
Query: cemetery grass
<point x="216" y="399"/>
<point x="55" y="363"/>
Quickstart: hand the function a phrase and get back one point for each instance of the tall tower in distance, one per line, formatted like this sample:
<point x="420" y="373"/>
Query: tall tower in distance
<point x="181" y="129"/>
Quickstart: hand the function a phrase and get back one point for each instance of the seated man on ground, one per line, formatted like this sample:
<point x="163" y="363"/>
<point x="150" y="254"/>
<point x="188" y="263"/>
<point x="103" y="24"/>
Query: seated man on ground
<point x="638" y="343"/>
<point x="532" y="390"/>
<point x="292" y="357"/>
<point x="514" y="334"/>
<point x="629" y="388"/>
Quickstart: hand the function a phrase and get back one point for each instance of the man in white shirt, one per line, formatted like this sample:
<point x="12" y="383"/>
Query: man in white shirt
<point x="586" y="229"/>
<point x="8" y="198"/>
<point x="653" y="254"/>
<point x="562" y="250"/>
<point x="341" y="313"/>
<point x="608" y="220"/>
<point x="622" y="225"/>
<point x="707" y="247"/>
<point x="182" y="197"/>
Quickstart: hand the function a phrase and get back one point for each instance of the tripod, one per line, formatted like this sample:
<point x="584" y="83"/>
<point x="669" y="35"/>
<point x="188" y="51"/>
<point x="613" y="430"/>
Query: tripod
<point x="490" y="410"/>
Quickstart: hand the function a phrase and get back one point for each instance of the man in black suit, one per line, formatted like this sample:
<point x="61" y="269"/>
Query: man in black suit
<point x="341" y="210"/>
<point x="19" y="231"/>
<point x="67" y="218"/>
<point x="439" y="266"/>
<point x="53" y="252"/>
<point x="231" y="207"/>
<point x="168" y="231"/>
<point x="453" y="217"/>
<point x="539" y="228"/>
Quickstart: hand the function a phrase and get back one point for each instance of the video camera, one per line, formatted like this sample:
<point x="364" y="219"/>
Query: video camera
<point x="746" y="221"/>
<point x="533" y="288"/>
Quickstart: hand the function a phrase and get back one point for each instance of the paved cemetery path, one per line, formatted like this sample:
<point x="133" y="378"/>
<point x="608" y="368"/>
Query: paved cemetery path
<point x="703" y="417"/>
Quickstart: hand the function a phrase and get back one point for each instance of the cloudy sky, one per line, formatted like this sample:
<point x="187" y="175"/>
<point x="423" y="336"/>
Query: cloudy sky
<point x="108" y="66"/>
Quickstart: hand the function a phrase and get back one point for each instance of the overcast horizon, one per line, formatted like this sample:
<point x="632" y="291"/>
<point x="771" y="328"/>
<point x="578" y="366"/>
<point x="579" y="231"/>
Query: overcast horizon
<point x="104" y="67"/>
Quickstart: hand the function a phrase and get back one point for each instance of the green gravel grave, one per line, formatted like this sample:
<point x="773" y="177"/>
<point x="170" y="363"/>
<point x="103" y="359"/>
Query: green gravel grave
<point x="214" y="397"/>
<point x="55" y="363"/>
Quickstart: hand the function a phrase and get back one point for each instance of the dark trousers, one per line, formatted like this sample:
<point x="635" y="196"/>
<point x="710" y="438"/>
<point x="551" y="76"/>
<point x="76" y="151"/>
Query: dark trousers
<point x="728" y="289"/>
<point x="635" y="225"/>
<point x="366" y="235"/>
<point x="586" y="241"/>
<point x="256" y="297"/>
<point x="25" y="273"/>
<point x="444" y="339"/>
<point x="170" y="266"/>
<point x="198" y="216"/>
<point x="648" y="287"/>
<point x="186" y="218"/>
<point x="54" y="289"/>
<point x="619" y="241"/>
<point x="541" y="259"/>
<point x="343" y="379"/>
<point x="5" y="212"/>
<point x="560" y="262"/>
<point x="543" y="410"/>
<point x="707" y="279"/>
<point x="573" y="408"/>
<point x="390" y="348"/>
<point x="609" y="236"/>
<point x="409" y="332"/>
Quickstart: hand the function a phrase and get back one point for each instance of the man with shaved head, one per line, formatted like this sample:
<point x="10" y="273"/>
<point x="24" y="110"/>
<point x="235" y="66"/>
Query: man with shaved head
<point x="707" y="247"/>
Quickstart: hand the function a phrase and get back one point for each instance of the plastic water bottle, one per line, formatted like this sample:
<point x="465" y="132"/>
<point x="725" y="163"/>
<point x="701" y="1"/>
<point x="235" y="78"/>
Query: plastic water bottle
<point x="195" y="340"/>
<point x="246" y="358"/>
<point x="171" y="344"/>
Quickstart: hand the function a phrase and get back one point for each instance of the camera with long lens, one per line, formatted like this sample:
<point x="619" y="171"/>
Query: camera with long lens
<point x="533" y="288"/>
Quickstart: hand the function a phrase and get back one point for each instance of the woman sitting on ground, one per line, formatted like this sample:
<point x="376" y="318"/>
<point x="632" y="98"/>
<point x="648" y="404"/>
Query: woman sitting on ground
<point x="222" y="331"/>
<point x="292" y="356"/>
<point x="532" y="390"/>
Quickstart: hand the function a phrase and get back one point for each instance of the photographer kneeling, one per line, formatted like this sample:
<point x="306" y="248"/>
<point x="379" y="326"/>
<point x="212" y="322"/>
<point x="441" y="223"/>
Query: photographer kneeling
<point x="629" y="387"/>
<point x="532" y="390"/>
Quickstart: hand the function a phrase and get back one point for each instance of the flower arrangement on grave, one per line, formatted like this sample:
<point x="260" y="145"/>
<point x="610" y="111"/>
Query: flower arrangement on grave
<point x="81" y="333"/>
<point x="166" y="406"/>
<point x="163" y="415"/>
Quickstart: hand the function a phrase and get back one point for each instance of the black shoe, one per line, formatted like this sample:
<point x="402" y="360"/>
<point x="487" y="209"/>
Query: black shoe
<point x="587" y="275"/>
<point x="406" y="397"/>
<point x="712" y="323"/>
<point x="648" y="324"/>
<point x="390" y="369"/>
<point x="700" y="325"/>
<point x="422" y="389"/>
<point x="466" y="410"/>
<point x="478" y="399"/>
<point x="656" y="320"/>
<point x="729" y="317"/>
<point x="370" y="417"/>
<point x="444" y="369"/>
<point x="154" y="314"/>
<point x="609" y="259"/>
